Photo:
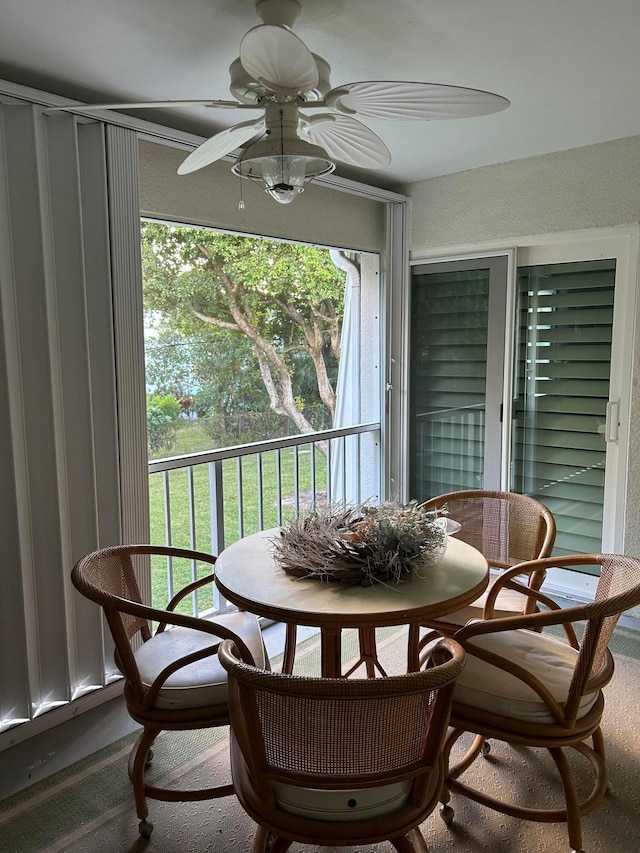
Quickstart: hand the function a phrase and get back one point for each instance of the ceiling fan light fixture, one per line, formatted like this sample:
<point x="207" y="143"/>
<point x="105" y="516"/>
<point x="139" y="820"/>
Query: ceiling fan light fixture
<point x="284" y="177"/>
<point x="277" y="74"/>
<point x="283" y="165"/>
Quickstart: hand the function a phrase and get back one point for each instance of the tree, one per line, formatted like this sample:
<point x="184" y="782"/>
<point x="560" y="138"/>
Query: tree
<point x="162" y="415"/>
<point x="217" y="370"/>
<point x="284" y="300"/>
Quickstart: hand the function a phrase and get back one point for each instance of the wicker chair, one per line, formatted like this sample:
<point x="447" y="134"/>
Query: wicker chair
<point x="507" y="528"/>
<point x="530" y="687"/>
<point x="338" y="762"/>
<point x="173" y="680"/>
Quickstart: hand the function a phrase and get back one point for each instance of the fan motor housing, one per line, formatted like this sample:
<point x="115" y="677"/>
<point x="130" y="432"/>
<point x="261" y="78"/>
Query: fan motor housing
<point x="249" y="91"/>
<point x="282" y="13"/>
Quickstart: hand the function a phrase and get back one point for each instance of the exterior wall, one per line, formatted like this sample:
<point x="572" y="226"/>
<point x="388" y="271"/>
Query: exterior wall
<point x="595" y="187"/>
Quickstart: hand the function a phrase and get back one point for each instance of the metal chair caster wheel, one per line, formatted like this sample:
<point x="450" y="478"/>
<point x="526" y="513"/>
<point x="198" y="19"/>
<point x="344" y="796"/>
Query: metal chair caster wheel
<point x="145" y="828"/>
<point x="485" y="748"/>
<point x="447" y="813"/>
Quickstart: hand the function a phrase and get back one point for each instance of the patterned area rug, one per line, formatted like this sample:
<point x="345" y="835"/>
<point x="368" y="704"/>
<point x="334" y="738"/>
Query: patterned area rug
<point x="89" y="806"/>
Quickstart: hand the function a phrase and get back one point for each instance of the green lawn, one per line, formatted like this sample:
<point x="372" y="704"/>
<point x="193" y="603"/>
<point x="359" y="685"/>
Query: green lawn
<point x="178" y="510"/>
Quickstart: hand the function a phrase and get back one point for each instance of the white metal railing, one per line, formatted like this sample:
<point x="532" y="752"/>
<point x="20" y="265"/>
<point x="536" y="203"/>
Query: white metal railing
<point x="207" y="500"/>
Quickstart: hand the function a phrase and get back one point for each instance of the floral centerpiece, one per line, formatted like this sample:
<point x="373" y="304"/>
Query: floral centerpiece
<point x="361" y="545"/>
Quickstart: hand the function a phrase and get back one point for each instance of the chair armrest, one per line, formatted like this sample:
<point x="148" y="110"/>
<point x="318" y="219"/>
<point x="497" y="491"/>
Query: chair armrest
<point x="183" y="593"/>
<point x="205" y="626"/>
<point x="445" y="649"/>
<point x="533" y="621"/>
<point x="508" y="579"/>
<point x="559" y="616"/>
<point x="188" y="589"/>
<point x="154" y="614"/>
<point x="151" y="693"/>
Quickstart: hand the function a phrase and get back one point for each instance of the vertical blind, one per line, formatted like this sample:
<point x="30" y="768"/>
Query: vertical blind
<point x="68" y="200"/>
<point x="565" y="318"/>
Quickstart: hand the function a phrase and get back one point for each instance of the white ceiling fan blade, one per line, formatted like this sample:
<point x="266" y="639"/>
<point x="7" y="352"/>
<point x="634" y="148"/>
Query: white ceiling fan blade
<point x="143" y="105"/>
<point x="278" y="58"/>
<point x="347" y="140"/>
<point x="405" y="100"/>
<point x="219" y="145"/>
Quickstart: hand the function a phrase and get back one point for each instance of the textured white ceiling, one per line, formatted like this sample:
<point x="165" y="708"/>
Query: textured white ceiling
<point x="571" y="68"/>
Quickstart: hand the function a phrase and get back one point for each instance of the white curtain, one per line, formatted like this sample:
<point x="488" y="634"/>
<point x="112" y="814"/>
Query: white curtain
<point x="345" y="478"/>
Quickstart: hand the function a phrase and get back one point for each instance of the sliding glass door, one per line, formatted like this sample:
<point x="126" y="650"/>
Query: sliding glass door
<point x="457" y="355"/>
<point x="561" y="391"/>
<point x="519" y="379"/>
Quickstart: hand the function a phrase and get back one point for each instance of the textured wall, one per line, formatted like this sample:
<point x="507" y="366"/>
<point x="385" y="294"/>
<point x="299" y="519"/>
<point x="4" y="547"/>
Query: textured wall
<point x="597" y="186"/>
<point x="591" y="187"/>
<point x="210" y="197"/>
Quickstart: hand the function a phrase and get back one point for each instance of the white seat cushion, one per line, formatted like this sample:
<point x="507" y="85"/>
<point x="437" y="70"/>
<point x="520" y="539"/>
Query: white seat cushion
<point x="204" y="682"/>
<point x="352" y="804"/>
<point x="484" y="686"/>
<point x="508" y="602"/>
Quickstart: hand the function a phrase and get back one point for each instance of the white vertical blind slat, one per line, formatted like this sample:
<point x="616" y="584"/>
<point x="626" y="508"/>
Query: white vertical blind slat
<point x="14" y="702"/>
<point x="126" y="264"/>
<point x="34" y="414"/>
<point x="62" y="208"/>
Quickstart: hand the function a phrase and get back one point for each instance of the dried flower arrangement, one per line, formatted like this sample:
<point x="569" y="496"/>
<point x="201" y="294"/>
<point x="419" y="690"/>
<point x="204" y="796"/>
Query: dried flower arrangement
<point x="360" y="545"/>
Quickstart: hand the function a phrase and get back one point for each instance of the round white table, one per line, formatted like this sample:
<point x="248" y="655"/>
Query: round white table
<point x="248" y="576"/>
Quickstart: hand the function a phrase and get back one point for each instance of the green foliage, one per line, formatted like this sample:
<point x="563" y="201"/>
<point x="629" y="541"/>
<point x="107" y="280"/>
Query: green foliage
<point x="217" y="368"/>
<point x="190" y="268"/>
<point x="163" y="412"/>
<point x="217" y="300"/>
<point x="301" y="472"/>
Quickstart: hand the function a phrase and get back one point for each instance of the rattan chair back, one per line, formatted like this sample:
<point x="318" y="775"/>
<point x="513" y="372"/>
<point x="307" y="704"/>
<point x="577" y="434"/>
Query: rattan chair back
<point x="506" y="527"/>
<point x="339" y="734"/>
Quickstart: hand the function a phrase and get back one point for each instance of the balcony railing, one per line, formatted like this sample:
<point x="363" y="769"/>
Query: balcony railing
<point x="207" y="500"/>
<point x="449" y="449"/>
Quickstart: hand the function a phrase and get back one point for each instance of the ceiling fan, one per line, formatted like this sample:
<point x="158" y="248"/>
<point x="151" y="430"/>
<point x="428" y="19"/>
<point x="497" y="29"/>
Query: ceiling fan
<point x="305" y="124"/>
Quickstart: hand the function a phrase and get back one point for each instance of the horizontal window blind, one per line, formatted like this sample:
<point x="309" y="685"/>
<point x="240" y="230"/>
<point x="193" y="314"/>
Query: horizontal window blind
<point x="565" y="316"/>
<point x="449" y="322"/>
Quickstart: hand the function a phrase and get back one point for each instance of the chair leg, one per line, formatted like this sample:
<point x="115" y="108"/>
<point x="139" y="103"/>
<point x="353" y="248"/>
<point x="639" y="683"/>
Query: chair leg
<point x="260" y="840"/>
<point x="468" y="758"/>
<point x="289" y="648"/>
<point x="137" y="766"/>
<point x="413" y="648"/>
<point x="412" y="842"/>
<point x="142" y="791"/>
<point x="573" y="809"/>
<point x="574" y="824"/>
<point x="368" y="653"/>
<point x="265" y="842"/>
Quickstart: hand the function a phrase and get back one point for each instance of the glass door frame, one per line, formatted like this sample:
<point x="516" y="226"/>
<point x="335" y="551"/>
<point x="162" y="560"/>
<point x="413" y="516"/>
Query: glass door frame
<point x="623" y="249"/>
<point x="621" y="243"/>
<point x="498" y="381"/>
